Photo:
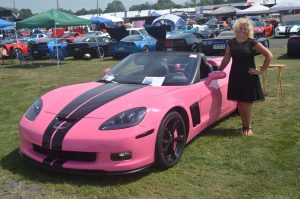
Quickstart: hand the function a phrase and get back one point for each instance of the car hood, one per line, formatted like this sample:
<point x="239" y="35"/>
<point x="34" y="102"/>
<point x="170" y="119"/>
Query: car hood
<point x="117" y="33"/>
<point x="292" y="28"/>
<point x="98" y="100"/>
<point x="158" y="32"/>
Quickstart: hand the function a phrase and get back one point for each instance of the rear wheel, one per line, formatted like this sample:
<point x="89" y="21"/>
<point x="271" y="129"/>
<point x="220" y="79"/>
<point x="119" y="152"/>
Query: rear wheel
<point x="145" y="49"/>
<point x="195" y="48"/>
<point x="170" y="140"/>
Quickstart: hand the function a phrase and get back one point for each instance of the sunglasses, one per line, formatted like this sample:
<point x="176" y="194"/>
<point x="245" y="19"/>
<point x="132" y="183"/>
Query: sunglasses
<point x="245" y="29"/>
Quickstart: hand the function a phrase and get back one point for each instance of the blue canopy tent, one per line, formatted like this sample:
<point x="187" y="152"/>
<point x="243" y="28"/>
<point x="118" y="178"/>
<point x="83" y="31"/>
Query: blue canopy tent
<point x="4" y="23"/>
<point x="99" y="20"/>
<point x="7" y="28"/>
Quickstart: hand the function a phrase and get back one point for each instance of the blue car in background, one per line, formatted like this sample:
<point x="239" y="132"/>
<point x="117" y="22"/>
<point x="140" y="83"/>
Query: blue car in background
<point x="47" y="48"/>
<point x="132" y="44"/>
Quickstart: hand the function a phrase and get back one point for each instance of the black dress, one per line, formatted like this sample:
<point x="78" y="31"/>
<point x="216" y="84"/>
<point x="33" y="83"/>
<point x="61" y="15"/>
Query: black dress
<point x="243" y="86"/>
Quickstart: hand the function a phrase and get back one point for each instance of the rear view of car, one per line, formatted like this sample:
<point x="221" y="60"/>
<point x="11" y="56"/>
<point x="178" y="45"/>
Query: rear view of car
<point x="293" y="46"/>
<point x="182" y="41"/>
<point x="132" y="44"/>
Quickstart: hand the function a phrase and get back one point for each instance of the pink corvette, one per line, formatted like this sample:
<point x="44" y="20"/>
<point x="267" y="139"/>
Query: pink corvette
<point x="141" y="113"/>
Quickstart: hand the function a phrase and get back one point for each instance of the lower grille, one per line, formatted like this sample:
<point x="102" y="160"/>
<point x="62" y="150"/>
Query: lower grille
<point x="66" y="155"/>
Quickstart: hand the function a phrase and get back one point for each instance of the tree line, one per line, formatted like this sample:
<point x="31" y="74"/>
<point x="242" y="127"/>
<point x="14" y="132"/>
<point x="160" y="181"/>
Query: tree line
<point x="118" y="6"/>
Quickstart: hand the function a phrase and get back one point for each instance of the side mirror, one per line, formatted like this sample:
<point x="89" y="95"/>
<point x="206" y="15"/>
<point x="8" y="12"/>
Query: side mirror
<point x="213" y="76"/>
<point x="106" y="70"/>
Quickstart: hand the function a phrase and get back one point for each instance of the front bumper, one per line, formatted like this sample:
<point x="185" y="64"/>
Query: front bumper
<point x="91" y="151"/>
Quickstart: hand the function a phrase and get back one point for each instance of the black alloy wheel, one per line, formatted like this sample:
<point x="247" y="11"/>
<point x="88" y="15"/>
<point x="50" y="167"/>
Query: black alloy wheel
<point x="170" y="141"/>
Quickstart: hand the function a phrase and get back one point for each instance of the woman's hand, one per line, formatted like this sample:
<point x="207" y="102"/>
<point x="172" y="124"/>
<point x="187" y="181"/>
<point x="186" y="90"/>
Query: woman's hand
<point x="253" y="71"/>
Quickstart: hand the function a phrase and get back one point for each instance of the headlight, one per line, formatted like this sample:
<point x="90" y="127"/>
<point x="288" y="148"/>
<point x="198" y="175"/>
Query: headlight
<point x="125" y="119"/>
<point x="34" y="110"/>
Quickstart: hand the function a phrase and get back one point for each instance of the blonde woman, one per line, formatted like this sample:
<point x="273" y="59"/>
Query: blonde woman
<point x="244" y="84"/>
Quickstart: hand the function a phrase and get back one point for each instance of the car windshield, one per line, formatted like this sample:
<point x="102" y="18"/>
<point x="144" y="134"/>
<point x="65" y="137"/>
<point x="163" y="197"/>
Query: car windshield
<point x="213" y="26"/>
<point x="143" y="31"/>
<point x="155" y="68"/>
<point x="292" y="22"/>
<point x="226" y="34"/>
<point x="259" y="24"/>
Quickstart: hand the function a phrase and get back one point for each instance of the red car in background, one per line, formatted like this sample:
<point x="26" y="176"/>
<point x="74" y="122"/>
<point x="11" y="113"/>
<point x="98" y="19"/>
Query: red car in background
<point x="263" y="28"/>
<point x="71" y="36"/>
<point x="14" y="46"/>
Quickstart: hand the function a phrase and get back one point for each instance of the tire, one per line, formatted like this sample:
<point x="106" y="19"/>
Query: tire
<point x="195" y="48"/>
<point x="100" y="53"/>
<point x="145" y="49"/>
<point x="170" y="140"/>
<point x="290" y="53"/>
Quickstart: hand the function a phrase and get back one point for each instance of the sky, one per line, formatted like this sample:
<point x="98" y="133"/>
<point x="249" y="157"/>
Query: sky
<point x="38" y="6"/>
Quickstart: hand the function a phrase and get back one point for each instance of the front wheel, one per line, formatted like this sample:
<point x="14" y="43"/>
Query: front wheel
<point x="170" y="140"/>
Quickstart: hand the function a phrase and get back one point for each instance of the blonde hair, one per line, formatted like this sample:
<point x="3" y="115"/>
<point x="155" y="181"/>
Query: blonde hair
<point x="248" y="23"/>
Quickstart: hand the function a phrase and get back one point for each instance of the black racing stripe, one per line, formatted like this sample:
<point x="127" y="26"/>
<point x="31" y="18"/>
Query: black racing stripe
<point x="87" y="108"/>
<point x="84" y="97"/>
<point x="69" y="108"/>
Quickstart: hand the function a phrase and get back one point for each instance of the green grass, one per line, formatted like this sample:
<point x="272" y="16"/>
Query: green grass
<point x="217" y="164"/>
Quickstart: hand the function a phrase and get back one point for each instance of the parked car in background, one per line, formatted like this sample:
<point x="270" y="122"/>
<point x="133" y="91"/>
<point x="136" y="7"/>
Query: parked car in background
<point x="216" y="46"/>
<point x="89" y="47"/>
<point x="132" y="44"/>
<point x="181" y="41"/>
<point x="263" y="28"/>
<point x="49" y="48"/>
<point x="142" y="113"/>
<point x="293" y="45"/>
<point x="216" y="28"/>
<point x="14" y="46"/>
<point x="288" y="28"/>
<point x="37" y="36"/>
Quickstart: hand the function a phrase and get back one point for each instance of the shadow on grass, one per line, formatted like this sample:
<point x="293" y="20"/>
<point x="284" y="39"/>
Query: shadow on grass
<point x="285" y="57"/>
<point x="213" y="131"/>
<point x="14" y="163"/>
<point x="34" y="65"/>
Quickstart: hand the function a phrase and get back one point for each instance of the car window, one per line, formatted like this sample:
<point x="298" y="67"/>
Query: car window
<point x="134" y="32"/>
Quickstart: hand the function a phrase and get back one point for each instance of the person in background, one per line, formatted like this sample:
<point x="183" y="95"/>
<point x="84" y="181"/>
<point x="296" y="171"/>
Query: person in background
<point x="244" y="84"/>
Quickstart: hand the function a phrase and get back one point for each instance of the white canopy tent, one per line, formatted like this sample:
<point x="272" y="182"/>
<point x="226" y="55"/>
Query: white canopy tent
<point x="285" y="5"/>
<point x="255" y="9"/>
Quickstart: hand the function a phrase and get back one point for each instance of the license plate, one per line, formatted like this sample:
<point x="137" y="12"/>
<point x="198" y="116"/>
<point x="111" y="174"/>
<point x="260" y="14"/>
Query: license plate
<point x="169" y="49"/>
<point x="35" y="52"/>
<point x="121" y="49"/>
<point x="219" y="46"/>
